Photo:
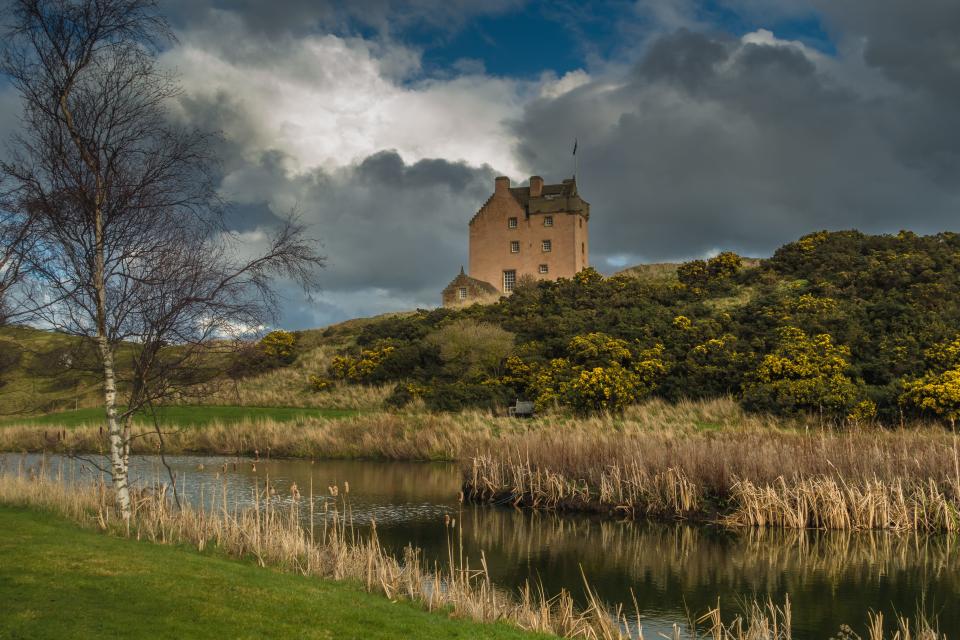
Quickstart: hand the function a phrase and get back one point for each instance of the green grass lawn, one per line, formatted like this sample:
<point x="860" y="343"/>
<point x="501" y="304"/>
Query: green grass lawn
<point x="60" y="581"/>
<point x="184" y="416"/>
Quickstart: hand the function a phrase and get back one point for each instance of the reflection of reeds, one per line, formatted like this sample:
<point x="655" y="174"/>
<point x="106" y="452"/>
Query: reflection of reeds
<point x="273" y="534"/>
<point x="686" y="557"/>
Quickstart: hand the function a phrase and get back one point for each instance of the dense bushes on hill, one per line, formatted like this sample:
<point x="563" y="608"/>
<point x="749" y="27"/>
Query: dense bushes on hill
<point x="843" y="324"/>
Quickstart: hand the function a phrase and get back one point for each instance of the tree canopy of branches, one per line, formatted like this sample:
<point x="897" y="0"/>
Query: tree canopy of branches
<point x="127" y="239"/>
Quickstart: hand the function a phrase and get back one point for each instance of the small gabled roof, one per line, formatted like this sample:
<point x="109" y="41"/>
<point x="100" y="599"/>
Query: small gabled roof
<point x="463" y="280"/>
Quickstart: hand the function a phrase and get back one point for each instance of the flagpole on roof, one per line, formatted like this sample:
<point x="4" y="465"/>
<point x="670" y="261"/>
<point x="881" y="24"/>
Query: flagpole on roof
<point x="574" y="158"/>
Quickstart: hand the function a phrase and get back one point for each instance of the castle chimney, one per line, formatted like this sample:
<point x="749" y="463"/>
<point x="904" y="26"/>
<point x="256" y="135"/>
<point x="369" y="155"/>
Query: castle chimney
<point x="501" y="184"/>
<point x="536" y="186"/>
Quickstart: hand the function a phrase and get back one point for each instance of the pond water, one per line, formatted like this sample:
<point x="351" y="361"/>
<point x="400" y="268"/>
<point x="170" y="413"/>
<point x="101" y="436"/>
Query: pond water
<point x="831" y="577"/>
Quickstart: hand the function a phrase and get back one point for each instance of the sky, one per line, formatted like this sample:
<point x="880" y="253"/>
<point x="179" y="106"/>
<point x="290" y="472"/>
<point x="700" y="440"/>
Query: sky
<point x="702" y="126"/>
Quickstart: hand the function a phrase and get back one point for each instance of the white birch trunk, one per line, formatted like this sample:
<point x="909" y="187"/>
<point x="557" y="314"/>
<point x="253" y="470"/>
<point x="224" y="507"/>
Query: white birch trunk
<point x="118" y="445"/>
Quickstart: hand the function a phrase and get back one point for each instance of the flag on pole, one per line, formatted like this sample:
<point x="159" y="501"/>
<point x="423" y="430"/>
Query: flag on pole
<point x="574" y="146"/>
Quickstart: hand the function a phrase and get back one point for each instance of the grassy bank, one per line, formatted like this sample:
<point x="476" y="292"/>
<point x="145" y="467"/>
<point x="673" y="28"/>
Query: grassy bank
<point x="181" y="416"/>
<point x="125" y="587"/>
<point x="58" y="580"/>
<point x="415" y="435"/>
<point x="703" y="460"/>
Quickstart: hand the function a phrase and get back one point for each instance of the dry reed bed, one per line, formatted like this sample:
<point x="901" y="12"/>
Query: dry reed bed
<point x="272" y="533"/>
<point x="906" y="479"/>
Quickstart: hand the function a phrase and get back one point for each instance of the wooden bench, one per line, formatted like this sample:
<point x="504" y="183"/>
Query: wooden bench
<point x="521" y="409"/>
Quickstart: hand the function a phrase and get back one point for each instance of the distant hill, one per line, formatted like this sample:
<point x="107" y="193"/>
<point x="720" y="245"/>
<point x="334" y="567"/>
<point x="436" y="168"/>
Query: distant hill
<point x="653" y="273"/>
<point x="45" y="371"/>
<point x="666" y="272"/>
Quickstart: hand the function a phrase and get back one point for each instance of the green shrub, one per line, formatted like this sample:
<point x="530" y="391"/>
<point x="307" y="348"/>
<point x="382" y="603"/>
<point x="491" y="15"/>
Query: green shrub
<point x="456" y="396"/>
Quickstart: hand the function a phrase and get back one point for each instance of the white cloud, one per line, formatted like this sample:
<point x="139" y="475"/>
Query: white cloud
<point x="553" y="87"/>
<point x="328" y="101"/>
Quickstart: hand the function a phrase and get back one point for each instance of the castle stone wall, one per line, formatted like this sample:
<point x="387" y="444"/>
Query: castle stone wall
<point x="491" y="237"/>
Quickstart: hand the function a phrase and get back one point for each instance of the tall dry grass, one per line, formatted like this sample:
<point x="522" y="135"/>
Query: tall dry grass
<point x="271" y="532"/>
<point x="379" y="435"/>
<point x="408" y="435"/>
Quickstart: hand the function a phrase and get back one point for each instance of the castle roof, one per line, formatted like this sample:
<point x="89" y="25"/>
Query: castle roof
<point x="463" y="280"/>
<point x="554" y="198"/>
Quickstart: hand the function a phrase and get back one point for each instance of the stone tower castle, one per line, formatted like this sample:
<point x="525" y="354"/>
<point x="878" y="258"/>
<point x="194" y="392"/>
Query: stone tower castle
<point x="541" y="231"/>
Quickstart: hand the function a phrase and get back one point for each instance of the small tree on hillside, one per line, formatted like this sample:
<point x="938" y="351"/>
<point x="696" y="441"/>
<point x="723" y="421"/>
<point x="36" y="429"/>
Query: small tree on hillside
<point x="127" y="239"/>
<point x="471" y="349"/>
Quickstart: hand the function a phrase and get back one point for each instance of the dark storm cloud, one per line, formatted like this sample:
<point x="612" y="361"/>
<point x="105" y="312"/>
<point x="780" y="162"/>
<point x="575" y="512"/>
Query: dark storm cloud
<point x="685" y="57"/>
<point x="916" y="44"/>
<point x="714" y="143"/>
<point x="394" y="233"/>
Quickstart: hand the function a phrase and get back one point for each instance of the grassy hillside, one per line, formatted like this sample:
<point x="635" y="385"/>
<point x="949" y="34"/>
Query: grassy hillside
<point x="182" y="416"/>
<point x="43" y="371"/>
<point x="665" y="273"/>
<point x="653" y="273"/>
<point x="848" y="326"/>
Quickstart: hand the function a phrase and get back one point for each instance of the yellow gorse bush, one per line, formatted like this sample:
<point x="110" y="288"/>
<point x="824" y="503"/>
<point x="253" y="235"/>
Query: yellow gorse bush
<point x="362" y="367"/>
<point x="602" y="374"/>
<point x="811" y="304"/>
<point x="279" y="345"/>
<point x="805" y="373"/>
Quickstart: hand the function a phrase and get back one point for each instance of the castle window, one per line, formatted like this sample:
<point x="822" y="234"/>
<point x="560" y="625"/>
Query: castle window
<point x="514" y="246"/>
<point x="546" y="246"/>
<point x="511" y="223"/>
<point x="583" y="248"/>
<point x="509" y="280"/>
<point x="581" y="223"/>
<point x="462" y="293"/>
<point x="548" y="221"/>
<point x="544" y="268"/>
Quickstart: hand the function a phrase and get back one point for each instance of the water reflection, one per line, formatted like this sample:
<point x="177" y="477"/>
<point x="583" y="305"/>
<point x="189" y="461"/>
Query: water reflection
<point x="831" y="577"/>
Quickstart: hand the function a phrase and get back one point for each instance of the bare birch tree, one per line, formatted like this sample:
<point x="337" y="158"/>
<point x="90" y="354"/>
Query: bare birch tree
<point x="128" y="244"/>
<point x="14" y="238"/>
